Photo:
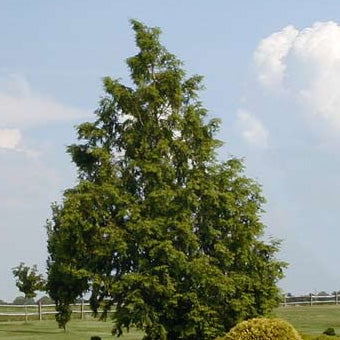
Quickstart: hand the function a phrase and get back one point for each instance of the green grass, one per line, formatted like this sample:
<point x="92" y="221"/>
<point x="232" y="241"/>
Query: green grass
<point x="48" y="330"/>
<point x="309" y="321"/>
<point x="312" y="320"/>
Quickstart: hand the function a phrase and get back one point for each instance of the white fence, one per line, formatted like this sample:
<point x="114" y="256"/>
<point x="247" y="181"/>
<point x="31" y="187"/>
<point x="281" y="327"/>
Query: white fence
<point x="310" y="300"/>
<point x="6" y="311"/>
<point x="39" y="310"/>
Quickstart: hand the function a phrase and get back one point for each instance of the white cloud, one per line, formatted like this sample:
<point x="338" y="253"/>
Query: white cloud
<point x="252" y="129"/>
<point x="306" y="64"/>
<point x="21" y="107"/>
<point x="270" y="54"/>
<point x="9" y="138"/>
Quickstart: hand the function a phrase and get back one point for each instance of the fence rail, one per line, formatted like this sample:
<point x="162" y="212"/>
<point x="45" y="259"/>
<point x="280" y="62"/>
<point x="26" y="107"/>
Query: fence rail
<point x="310" y="300"/>
<point x="83" y="308"/>
<point x="39" y="310"/>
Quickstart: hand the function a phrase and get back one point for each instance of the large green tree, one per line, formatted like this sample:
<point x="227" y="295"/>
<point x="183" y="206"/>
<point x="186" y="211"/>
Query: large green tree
<point x="156" y="226"/>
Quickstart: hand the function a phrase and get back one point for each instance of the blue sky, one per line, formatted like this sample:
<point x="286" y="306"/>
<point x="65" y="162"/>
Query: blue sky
<point x="272" y="74"/>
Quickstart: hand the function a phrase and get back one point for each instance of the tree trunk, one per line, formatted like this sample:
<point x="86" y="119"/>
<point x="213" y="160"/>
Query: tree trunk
<point x="25" y="310"/>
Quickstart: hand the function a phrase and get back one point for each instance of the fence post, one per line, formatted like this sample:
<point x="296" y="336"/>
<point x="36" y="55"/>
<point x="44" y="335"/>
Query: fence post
<point x="82" y="309"/>
<point x="40" y="310"/>
<point x="336" y="298"/>
<point x="285" y="300"/>
<point x="311" y="299"/>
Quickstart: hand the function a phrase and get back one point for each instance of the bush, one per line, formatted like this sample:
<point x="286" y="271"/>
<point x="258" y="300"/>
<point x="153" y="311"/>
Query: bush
<point x="263" y="329"/>
<point x="329" y="331"/>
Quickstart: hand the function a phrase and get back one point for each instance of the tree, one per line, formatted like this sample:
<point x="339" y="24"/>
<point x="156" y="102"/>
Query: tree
<point x="322" y="293"/>
<point x="28" y="281"/>
<point x="45" y="300"/>
<point x="21" y="300"/>
<point x="156" y="225"/>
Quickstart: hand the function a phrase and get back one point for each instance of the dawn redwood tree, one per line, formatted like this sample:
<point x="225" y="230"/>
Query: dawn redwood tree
<point x="156" y="225"/>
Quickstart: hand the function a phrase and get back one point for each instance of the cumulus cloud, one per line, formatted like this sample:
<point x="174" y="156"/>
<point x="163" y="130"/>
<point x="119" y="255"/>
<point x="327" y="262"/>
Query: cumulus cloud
<point x="270" y="56"/>
<point x="305" y="64"/>
<point x="21" y="107"/>
<point x="252" y="129"/>
<point x="9" y="138"/>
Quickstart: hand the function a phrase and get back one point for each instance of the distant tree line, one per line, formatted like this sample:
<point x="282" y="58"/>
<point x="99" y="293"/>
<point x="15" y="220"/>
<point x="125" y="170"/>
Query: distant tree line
<point x="20" y="300"/>
<point x="320" y="293"/>
<point x="318" y="296"/>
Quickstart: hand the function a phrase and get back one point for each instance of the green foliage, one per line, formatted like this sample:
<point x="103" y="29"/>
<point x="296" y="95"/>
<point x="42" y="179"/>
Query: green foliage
<point x="263" y="329"/>
<point x="156" y="226"/>
<point x="28" y="280"/>
<point x="329" y="331"/>
<point x="63" y="289"/>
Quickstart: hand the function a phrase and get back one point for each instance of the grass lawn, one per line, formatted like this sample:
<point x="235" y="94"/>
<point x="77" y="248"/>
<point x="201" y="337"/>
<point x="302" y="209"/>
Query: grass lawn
<point x="48" y="330"/>
<point x="311" y="320"/>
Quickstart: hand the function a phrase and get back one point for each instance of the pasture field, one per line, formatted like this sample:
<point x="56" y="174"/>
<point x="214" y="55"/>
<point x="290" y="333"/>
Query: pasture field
<point x="311" y="320"/>
<point x="48" y="330"/>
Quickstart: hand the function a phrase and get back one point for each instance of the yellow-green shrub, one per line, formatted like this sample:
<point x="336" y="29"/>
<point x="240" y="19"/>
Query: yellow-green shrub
<point x="263" y="329"/>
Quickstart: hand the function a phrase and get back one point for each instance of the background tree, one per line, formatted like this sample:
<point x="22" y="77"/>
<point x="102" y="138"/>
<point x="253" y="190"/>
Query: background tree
<point x="322" y="293"/>
<point x="45" y="300"/>
<point x="156" y="225"/>
<point x="21" y="300"/>
<point x="28" y="281"/>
